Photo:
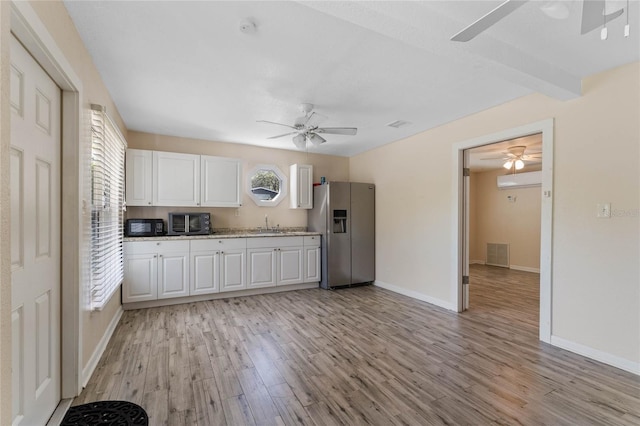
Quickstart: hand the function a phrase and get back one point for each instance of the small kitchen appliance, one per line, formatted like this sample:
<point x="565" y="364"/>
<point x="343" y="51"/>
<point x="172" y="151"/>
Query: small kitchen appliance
<point x="144" y="227"/>
<point x="189" y="224"/>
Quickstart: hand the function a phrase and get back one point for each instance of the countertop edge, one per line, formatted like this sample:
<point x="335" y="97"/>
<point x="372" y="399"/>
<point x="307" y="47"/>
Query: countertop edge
<point x="221" y="236"/>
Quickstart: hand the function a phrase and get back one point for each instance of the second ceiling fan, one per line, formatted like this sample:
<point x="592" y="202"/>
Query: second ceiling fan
<point x="306" y="128"/>
<point x="595" y="13"/>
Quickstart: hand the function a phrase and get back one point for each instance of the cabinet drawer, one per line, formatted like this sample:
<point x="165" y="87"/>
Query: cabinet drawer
<point x="312" y="241"/>
<point x="138" y="247"/>
<point x="218" y="244"/>
<point x="264" y="242"/>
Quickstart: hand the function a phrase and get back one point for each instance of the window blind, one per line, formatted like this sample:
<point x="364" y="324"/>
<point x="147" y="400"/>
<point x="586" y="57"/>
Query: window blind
<point x="107" y="205"/>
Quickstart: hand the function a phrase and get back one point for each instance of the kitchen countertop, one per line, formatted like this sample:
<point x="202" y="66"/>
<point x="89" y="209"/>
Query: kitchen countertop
<point x="221" y="235"/>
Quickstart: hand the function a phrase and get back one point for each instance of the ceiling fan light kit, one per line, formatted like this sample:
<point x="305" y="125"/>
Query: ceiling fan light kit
<point x="306" y="128"/>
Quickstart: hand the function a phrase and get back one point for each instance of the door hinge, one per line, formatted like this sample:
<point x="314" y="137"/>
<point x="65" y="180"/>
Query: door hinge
<point x="466" y="171"/>
<point x="465" y="279"/>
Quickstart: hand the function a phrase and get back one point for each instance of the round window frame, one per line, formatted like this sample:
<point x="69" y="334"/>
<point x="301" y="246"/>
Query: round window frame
<point x="284" y="184"/>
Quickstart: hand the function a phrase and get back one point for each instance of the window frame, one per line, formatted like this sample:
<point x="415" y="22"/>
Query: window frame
<point x="283" y="185"/>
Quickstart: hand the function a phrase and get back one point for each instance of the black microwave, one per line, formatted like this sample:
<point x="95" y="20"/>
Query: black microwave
<point x="189" y="224"/>
<point x="144" y="227"/>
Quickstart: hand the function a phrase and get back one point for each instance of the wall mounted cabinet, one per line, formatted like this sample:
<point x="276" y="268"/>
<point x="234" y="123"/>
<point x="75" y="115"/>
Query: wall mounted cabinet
<point x="139" y="177"/>
<point x="301" y="181"/>
<point x="157" y="178"/>
<point x="220" y="181"/>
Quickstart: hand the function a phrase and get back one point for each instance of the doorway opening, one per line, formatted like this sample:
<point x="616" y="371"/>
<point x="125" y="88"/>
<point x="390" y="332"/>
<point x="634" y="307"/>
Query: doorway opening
<point x="503" y="205"/>
<point x="459" y="285"/>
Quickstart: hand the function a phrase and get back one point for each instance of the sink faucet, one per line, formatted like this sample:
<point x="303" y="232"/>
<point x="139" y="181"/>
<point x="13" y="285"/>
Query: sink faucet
<point x="266" y="222"/>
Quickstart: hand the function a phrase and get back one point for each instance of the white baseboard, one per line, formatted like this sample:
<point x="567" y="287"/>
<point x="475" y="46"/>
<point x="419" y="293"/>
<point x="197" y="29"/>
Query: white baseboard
<point x="598" y="355"/>
<point x="88" y="369"/>
<point x="476" y="262"/>
<point x="416" y="295"/>
<point x="524" y="268"/>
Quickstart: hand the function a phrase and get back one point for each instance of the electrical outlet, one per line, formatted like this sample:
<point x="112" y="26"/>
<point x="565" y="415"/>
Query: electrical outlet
<point x="604" y="210"/>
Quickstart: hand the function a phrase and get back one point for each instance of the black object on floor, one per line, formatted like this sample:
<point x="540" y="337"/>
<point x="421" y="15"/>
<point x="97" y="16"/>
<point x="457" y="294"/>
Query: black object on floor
<point x="120" y="413"/>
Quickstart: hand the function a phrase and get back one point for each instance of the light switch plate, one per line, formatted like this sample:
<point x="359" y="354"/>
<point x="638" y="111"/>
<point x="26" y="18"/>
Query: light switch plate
<point x="604" y="210"/>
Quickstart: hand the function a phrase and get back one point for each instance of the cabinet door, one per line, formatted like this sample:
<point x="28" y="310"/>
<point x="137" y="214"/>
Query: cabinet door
<point x="290" y="265"/>
<point x="140" y="278"/>
<point x="176" y="179"/>
<point x="205" y="273"/>
<point x="311" y="264"/>
<point x="173" y="275"/>
<point x="301" y="181"/>
<point x="261" y="267"/>
<point x="232" y="270"/>
<point x="138" y="174"/>
<point x="220" y="181"/>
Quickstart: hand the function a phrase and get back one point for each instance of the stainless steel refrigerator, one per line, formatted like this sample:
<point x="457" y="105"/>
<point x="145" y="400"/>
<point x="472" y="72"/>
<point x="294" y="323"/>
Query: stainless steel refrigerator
<point x="344" y="212"/>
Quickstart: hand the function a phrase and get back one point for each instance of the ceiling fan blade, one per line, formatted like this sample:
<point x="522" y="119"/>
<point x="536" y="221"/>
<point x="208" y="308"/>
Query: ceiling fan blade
<point x="593" y="15"/>
<point x="337" y="130"/>
<point x="273" y="122"/>
<point x="488" y="20"/>
<point x="280" y="136"/>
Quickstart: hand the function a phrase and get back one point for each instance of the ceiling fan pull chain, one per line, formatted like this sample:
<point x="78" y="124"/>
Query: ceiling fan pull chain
<point x="626" y="27"/>
<point x="604" y="33"/>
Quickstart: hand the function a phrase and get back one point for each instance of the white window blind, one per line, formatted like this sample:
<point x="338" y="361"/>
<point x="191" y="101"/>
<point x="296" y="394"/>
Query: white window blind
<point x="107" y="204"/>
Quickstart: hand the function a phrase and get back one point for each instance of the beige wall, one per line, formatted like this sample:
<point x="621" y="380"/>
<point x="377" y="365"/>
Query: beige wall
<point x="249" y="215"/>
<point x="595" y="284"/>
<point x="497" y="220"/>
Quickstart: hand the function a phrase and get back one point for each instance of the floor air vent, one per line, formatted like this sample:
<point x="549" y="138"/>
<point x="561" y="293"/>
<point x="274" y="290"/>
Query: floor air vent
<point x="498" y="254"/>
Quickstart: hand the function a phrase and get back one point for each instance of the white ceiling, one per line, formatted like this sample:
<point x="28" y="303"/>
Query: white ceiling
<point x="184" y="68"/>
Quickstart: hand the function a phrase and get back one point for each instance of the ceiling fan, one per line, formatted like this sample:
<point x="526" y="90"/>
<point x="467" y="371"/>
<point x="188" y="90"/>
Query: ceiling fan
<point x="515" y="157"/>
<point x="595" y="14"/>
<point x="306" y="128"/>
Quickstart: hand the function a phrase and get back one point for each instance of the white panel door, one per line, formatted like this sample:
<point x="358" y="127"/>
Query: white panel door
<point x="205" y="273"/>
<point x="232" y="270"/>
<point x="35" y="239"/>
<point x="261" y="267"/>
<point x="173" y="275"/>
<point x="290" y="265"/>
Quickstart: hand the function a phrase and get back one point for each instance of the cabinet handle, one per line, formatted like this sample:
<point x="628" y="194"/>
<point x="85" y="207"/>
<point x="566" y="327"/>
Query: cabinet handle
<point x="160" y="256"/>
<point x="155" y="255"/>
<point x="221" y="252"/>
<point x="149" y="202"/>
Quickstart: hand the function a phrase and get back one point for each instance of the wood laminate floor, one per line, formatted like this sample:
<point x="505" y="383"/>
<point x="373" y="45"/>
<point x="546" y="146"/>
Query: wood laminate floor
<point x="359" y="356"/>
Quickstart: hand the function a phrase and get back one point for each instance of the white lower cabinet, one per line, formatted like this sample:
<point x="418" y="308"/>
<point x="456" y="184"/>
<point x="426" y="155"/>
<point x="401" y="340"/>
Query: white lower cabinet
<point x="311" y="259"/>
<point x="217" y="265"/>
<point x="274" y="261"/>
<point x="155" y="270"/>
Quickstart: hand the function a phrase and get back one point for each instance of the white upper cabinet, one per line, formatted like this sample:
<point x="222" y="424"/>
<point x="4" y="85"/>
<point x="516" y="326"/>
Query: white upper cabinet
<point x="220" y="181"/>
<point x="301" y="181"/>
<point x="139" y="177"/>
<point x="176" y="179"/>
<point x="157" y="178"/>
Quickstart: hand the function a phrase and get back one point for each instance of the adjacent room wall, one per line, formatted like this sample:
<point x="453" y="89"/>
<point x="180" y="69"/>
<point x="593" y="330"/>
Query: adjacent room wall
<point x="249" y="215"/>
<point x="595" y="284"/>
<point x="498" y="220"/>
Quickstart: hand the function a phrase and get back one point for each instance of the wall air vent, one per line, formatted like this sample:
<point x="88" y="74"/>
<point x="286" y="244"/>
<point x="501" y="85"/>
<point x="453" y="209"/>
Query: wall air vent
<point x="498" y="254"/>
<point x="398" y="123"/>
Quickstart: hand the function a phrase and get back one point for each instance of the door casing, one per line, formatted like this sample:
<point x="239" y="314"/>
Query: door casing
<point x="546" y="127"/>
